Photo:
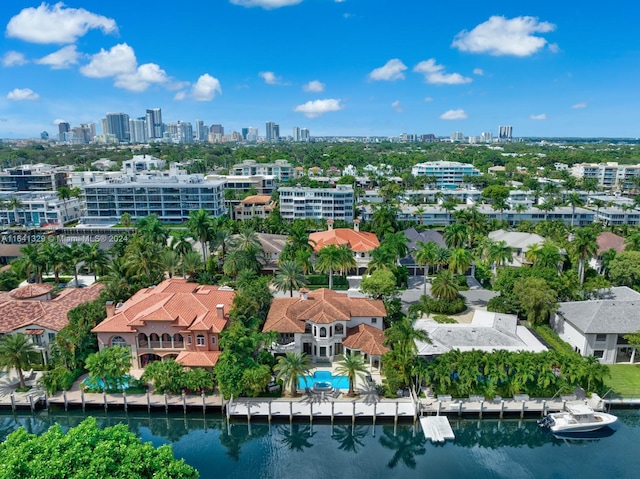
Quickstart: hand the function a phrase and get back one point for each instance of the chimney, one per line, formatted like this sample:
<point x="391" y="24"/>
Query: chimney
<point x="110" y="307"/>
<point x="220" y="310"/>
<point x="330" y="225"/>
<point x="356" y="225"/>
<point x="303" y="294"/>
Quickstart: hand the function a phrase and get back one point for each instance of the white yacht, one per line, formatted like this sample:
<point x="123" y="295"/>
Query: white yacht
<point x="577" y="418"/>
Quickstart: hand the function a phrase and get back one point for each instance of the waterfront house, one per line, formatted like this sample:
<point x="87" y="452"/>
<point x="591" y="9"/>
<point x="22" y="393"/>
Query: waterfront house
<point x="174" y="319"/>
<point x="326" y="324"/>
<point x="519" y="243"/>
<point x="596" y="327"/>
<point x="606" y="241"/>
<point x="32" y="310"/>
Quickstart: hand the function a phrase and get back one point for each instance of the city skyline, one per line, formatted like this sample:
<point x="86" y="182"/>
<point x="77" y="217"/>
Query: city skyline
<point x="337" y="68"/>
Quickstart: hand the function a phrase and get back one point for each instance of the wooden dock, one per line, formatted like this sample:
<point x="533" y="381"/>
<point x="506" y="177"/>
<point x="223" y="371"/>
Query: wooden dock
<point x="437" y="428"/>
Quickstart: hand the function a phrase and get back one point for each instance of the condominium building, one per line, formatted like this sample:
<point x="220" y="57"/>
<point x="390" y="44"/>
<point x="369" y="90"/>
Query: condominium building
<point x="38" y="177"/>
<point x="138" y="130"/>
<point x="281" y="170"/>
<point x="254" y="206"/>
<point x="609" y="175"/>
<point x="317" y="203"/>
<point x="505" y="133"/>
<point x="273" y="132"/>
<point x="262" y="185"/>
<point x="172" y="198"/>
<point x="155" y="128"/>
<point x="43" y="208"/>
<point x="448" y="174"/>
<point x="117" y="124"/>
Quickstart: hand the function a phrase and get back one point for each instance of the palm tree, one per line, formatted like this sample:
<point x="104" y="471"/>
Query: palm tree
<point x="64" y="193"/>
<point x="14" y="204"/>
<point x="191" y="264"/>
<point x="402" y="336"/>
<point x="352" y="366"/>
<point x="289" y="368"/>
<point x="545" y="255"/>
<point x="200" y="226"/>
<point x="58" y="258"/>
<point x="441" y="257"/>
<point x="125" y="220"/>
<point x="632" y="242"/>
<point x="96" y="259"/>
<point x="15" y="352"/>
<point x="32" y="262"/>
<point x="289" y="277"/>
<point x="170" y="261"/>
<point x="584" y="246"/>
<point x="456" y="235"/>
<point x="425" y="255"/>
<point x="328" y="259"/>
<point x="498" y="253"/>
<point x="445" y="286"/>
<point x="152" y="229"/>
<point x="459" y="260"/>
<point x="574" y="200"/>
<point x="179" y="242"/>
<point x="397" y="243"/>
<point x="246" y="240"/>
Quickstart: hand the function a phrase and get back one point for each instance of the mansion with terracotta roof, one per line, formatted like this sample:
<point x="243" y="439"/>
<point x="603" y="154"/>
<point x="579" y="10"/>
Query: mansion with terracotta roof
<point x="326" y="324"/>
<point x="174" y="319"/>
<point x="33" y="311"/>
<point x="360" y="242"/>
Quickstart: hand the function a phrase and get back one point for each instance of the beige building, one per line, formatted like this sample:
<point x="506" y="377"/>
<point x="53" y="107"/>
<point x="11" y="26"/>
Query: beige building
<point x="255" y="206"/>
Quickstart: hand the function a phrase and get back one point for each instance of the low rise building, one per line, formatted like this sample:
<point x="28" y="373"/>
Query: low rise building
<point x="255" y="206"/>
<point x="359" y="242"/>
<point x="447" y="174"/>
<point x="175" y="319"/>
<point x="317" y="203"/>
<point x="38" y="209"/>
<point x="609" y="175"/>
<point x="281" y="170"/>
<point x="38" y="177"/>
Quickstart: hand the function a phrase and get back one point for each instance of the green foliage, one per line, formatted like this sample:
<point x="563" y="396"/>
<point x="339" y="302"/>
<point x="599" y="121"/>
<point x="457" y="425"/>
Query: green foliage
<point x="537" y="299"/>
<point x="8" y="280"/>
<point x="315" y="281"/>
<point x="550" y="336"/>
<point x="111" y="365"/>
<point x="87" y="451"/>
<point x="624" y="269"/>
<point x="15" y="353"/>
<point x="289" y="367"/>
<point x="443" y="319"/>
<point x="167" y="376"/>
<point x="381" y="284"/>
<point x="453" y="306"/>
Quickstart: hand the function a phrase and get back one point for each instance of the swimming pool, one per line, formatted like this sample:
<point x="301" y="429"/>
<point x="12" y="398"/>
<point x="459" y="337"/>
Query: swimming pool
<point x="338" y="382"/>
<point x="97" y="384"/>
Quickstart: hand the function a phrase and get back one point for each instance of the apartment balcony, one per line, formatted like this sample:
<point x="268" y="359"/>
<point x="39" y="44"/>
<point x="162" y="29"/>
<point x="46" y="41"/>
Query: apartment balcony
<point x="143" y="344"/>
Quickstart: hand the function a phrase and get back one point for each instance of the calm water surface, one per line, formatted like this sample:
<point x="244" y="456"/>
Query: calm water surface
<point x="483" y="449"/>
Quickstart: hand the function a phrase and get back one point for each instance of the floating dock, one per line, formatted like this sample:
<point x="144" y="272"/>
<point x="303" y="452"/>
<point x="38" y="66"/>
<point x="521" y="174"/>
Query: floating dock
<point x="437" y="428"/>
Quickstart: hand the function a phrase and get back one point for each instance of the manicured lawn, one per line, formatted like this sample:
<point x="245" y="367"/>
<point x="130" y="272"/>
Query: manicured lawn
<point x="625" y="380"/>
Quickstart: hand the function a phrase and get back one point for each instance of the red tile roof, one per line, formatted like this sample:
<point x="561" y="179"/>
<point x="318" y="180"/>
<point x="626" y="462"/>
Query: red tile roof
<point x="323" y="306"/>
<point x="256" y="199"/>
<point x="356" y="240"/>
<point x="607" y="240"/>
<point x="50" y="314"/>
<point x="31" y="291"/>
<point x="187" y="305"/>
<point x="367" y="339"/>
<point x="203" y="359"/>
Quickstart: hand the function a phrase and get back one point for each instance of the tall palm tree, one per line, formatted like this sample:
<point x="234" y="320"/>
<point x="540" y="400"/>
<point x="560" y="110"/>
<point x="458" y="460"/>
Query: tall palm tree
<point x="200" y="226"/>
<point x="329" y="259"/>
<point x="289" y="277"/>
<point x="425" y="255"/>
<point x="574" y="201"/>
<point x="96" y="259"/>
<point x="191" y="264"/>
<point x="397" y="243"/>
<point x="460" y="260"/>
<point x="64" y="193"/>
<point x="352" y="366"/>
<point x="584" y="246"/>
<point x="247" y="239"/>
<point x="15" y="204"/>
<point x="456" y="235"/>
<point x="445" y="286"/>
<point x="289" y="368"/>
<point x="497" y="254"/>
<point x="179" y="242"/>
<point x="151" y="228"/>
<point x="545" y="255"/>
<point x="170" y="261"/>
<point x="58" y="258"/>
<point x="441" y="257"/>
<point x="15" y="352"/>
<point x="33" y="262"/>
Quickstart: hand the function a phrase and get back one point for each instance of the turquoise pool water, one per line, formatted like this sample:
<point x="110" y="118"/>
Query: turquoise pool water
<point x="98" y="384"/>
<point x="338" y="382"/>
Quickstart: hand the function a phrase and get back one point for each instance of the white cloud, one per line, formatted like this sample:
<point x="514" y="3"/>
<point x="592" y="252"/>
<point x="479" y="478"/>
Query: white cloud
<point x="266" y="4"/>
<point x="56" y="24"/>
<point x="434" y="73"/>
<point x="428" y="99"/>
<point x="554" y="47"/>
<point x="144" y="76"/>
<point x="454" y="115"/>
<point x="20" y="94"/>
<point x="205" y="88"/>
<point x="542" y="116"/>
<point x="391" y="71"/>
<point x="179" y="96"/>
<point x="315" y="108"/>
<point x="478" y="71"/>
<point x="502" y="36"/>
<point x="582" y="104"/>
<point x="57" y="121"/>
<point x="270" y="78"/>
<point x="314" y="86"/>
<point x="397" y="106"/>
<point x="120" y="59"/>
<point x="12" y="59"/>
<point x="63" y="58"/>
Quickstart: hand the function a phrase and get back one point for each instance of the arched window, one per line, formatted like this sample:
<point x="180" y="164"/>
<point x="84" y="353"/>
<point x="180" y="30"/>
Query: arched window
<point x="339" y="329"/>
<point x="143" y="341"/>
<point x="315" y="330"/>
<point x="178" y="340"/>
<point x="307" y="328"/>
<point x="323" y="332"/>
<point x="118" y="341"/>
<point x="200" y="341"/>
<point x="154" y="337"/>
<point x="166" y="338"/>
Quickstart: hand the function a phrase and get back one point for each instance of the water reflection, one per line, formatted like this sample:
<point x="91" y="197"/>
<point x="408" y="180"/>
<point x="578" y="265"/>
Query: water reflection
<point x="350" y="438"/>
<point x="405" y="444"/>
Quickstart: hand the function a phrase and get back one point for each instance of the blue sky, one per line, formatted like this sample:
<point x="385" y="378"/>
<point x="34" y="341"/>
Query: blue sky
<point x="349" y="67"/>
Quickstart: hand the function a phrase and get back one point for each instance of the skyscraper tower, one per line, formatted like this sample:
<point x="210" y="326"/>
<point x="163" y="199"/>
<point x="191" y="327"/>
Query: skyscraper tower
<point x="201" y="131"/>
<point x="138" y="130"/>
<point x="118" y="124"/>
<point x="505" y="133"/>
<point x="273" y="131"/>
<point x="155" y="128"/>
<point x="63" y="127"/>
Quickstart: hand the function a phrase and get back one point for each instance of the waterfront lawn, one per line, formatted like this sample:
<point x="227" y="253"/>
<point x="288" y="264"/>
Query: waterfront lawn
<point x="625" y="379"/>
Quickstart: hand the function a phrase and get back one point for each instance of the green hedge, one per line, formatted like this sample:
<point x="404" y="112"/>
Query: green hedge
<point x="322" y="281"/>
<point x="446" y="307"/>
<point x="550" y="336"/>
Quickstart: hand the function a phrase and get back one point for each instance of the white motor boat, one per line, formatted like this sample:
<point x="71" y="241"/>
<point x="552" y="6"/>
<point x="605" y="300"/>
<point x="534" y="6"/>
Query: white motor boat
<point x="577" y="418"/>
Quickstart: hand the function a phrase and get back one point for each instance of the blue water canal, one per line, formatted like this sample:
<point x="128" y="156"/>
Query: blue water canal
<point x="483" y="449"/>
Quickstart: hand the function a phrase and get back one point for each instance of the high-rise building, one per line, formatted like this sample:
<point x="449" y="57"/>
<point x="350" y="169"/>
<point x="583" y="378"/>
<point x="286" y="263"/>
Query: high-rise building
<point x="44" y="135"/>
<point x="89" y="131"/>
<point x="63" y="127"/>
<point x="245" y="133"/>
<point x="304" y="135"/>
<point x="201" y="131"/>
<point x="138" y="130"/>
<point x="155" y="128"/>
<point x="180" y="132"/>
<point x="505" y="133"/>
<point x="457" y="136"/>
<point x="273" y="131"/>
<point x="486" y="137"/>
<point x="296" y="133"/>
<point x="118" y="125"/>
<point x="217" y="129"/>
<point x="252" y="134"/>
